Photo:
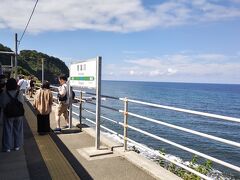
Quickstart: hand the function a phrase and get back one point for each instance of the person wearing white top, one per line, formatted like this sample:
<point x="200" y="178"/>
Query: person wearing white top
<point x="22" y="84"/>
<point x="28" y="85"/>
<point x="62" y="102"/>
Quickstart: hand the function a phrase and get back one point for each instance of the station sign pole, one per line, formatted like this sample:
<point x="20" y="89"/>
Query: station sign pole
<point x="42" y="70"/>
<point x="87" y="74"/>
<point x="98" y="101"/>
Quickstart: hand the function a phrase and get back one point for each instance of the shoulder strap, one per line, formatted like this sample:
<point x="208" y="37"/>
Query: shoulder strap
<point x="11" y="96"/>
<point x="65" y="89"/>
<point x="17" y="94"/>
<point x="21" y="83"/>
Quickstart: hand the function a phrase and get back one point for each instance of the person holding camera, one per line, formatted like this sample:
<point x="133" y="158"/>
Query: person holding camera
<point x="62" y="102"/>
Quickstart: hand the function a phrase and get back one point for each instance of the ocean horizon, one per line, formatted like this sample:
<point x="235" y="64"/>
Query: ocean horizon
<point x="181" y="82"/>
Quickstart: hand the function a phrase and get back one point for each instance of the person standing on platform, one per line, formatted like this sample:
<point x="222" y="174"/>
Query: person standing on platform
<point x="43" y="103"/>
<point x="28" y="85"/>
<point x="2" y="86"/>
<point x="2" y="82"/>
<point x="13" y="115"/>
<point x="62" y="107"/>
<point x="22" y="84"/>
<point x="32" y="84"/>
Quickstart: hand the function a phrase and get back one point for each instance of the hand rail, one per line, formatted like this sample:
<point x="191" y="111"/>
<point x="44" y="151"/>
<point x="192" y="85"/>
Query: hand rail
<point x="125" y="124"/>
<point x="187" y="149"/>
<point x="186" y="110"/>
<point x="186" y="130"/>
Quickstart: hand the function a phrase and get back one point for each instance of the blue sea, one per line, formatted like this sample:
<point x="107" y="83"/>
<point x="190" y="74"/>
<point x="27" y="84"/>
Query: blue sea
<point x="222" y="99"/>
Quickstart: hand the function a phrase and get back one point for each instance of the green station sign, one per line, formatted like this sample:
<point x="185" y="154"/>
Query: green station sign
<point x="82" y="78"/>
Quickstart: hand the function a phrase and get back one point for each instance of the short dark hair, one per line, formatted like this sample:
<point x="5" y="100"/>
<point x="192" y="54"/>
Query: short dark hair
<point x="46" y="85"/>
<point x="11" y="84"/>
<point x="63" y="77"/>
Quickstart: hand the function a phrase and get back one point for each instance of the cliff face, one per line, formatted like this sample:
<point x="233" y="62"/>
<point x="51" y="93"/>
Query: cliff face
<point x="30" y="63"/>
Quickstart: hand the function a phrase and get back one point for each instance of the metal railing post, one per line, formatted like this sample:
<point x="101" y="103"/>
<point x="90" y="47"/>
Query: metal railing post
<point x="98" y="101"/>
<point x="42" y="70"/>
<point x="12" y="67"/>
<point x="125" y="134"/>
<point x="15" y="57"/>
<point x="70" y="106"/>
<point x="80" y="109"/>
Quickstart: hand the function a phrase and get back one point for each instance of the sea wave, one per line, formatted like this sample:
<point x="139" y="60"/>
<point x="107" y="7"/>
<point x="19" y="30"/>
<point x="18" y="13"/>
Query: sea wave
<point x="153" y="155"/>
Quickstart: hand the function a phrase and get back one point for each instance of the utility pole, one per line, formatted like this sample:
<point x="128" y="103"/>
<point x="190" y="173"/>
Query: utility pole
<point x="12" y="67"/>
<point x="42" y="70"/>
<point x="16" y="52"/>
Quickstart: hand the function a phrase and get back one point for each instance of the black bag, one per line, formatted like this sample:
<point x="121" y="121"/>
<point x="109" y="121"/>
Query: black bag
<point x="14" y="108"/>
<point x="62" y="98"/>
<point x="73" y="95"/>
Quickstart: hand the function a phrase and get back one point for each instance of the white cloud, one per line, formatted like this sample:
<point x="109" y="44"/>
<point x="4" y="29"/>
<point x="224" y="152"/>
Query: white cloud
<point x="131" y="72"/>
<point x="181" y="67"/>
<point x="111" y="15"/>
<point x="171" y="71"/>
<point x="154" y="73"/>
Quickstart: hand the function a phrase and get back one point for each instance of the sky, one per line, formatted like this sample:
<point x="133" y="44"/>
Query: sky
<point x="194" y="41"/>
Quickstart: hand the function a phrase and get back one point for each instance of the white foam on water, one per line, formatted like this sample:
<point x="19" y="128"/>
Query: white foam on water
<point x="154" y="156"/>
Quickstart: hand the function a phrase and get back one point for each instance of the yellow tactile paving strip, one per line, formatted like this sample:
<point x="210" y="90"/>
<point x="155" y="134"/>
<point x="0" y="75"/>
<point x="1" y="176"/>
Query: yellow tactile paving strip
<point x="58" y="166"/>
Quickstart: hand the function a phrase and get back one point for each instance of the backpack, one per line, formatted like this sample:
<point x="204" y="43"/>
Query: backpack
<point x="14" y="108"/>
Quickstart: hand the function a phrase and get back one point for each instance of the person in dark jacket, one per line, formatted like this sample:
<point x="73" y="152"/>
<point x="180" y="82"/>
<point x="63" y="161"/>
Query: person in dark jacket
<point x="2" y="87"/>
<point x="32" y="84"/>
<point x="12" y="138"/>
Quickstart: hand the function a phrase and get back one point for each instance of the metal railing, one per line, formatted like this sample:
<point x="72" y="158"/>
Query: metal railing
<point x="89" y="98"/>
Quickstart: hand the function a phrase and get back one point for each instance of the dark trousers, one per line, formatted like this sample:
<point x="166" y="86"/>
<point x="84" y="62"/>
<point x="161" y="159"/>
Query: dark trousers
<point x="43" y="124"/>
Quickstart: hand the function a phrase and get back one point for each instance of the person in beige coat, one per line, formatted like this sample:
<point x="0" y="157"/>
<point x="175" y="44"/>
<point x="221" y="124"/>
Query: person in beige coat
<point x="43" y="101"/>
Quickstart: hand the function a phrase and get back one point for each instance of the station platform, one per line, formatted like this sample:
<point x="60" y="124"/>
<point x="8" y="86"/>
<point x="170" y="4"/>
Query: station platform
<point x="66" y="156"/>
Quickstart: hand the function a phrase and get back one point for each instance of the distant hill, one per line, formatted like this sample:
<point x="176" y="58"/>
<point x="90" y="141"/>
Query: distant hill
<point x="30" y="63"/>
<point x="5" y="59"/>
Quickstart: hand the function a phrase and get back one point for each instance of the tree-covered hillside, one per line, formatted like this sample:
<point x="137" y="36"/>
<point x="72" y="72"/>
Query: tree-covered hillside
<point x="30" y="62"/>
<point x="4" y="58"/>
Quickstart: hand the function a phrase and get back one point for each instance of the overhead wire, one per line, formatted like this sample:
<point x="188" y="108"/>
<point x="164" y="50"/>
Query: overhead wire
<point x="28" y="23"/>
